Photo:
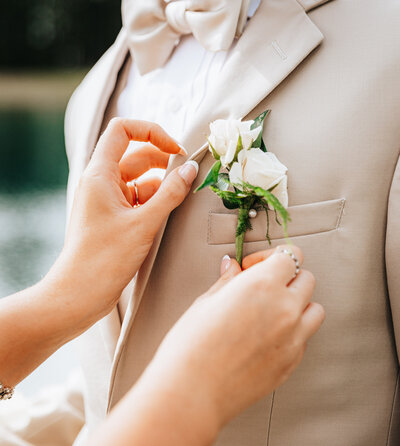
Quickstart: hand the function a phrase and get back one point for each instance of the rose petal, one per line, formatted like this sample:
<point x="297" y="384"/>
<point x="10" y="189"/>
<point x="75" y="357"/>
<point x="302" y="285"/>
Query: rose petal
<point x="276" y="163"/>
<point x="249" y="137"/>
<point x="281" y="192"/>
<point x="230" y="153"/>
<point x="236" y="174"/>
<point x="244" y="126"/>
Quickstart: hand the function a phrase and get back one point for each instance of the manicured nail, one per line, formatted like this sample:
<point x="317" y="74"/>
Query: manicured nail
<point x="225" y="264"/>
<point x="183" y="151"/>
<point x="189" y="171"/>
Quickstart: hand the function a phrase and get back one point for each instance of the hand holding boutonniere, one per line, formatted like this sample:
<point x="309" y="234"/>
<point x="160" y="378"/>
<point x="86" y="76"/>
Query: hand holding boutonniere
<point x="245" y="175"/>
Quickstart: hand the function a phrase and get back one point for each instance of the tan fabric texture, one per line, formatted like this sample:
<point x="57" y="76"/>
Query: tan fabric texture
<point x="335" y="125"/>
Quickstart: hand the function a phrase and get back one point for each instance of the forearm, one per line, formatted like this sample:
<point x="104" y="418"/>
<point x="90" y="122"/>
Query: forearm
<point x="163" y="408"/>
<point x="35" y="322"/>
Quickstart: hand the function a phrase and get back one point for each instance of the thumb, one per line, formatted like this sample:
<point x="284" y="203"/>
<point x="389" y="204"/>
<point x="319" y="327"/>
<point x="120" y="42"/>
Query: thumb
<point x="229" y="269"/>
<point x="172" y="192"/>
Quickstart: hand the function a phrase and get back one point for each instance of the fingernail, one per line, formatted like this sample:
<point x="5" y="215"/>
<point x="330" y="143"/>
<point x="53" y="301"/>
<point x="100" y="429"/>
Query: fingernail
<point x="183" y="151"/>
<point x="189" y="171"/>
<point x="225" y="263"/>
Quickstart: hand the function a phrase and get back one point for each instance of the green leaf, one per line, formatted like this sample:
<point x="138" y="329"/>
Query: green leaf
<point x="267" y="213"/>
<point x="230" y="204"/>
<point x="258" y="142"/>
<point x="229" y="198"/>
<point x="259" y="122"/>
<point x="270" y="199"/>
<point x="223" y="182"/>
<point x="214" y="153"/>
<point x="244" y="223"/>
<point x="271" y="189"/>
<point x="212" y="176"/>
<point x="263" y="146"/>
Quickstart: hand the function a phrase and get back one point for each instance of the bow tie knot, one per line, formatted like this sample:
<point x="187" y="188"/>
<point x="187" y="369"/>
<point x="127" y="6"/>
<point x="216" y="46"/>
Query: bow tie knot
<point x="175" y="13"/>
<point x="155" y="26"/>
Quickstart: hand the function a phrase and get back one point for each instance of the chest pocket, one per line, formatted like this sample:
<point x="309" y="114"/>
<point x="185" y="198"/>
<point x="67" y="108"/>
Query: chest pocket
<point x="307" y="219"/>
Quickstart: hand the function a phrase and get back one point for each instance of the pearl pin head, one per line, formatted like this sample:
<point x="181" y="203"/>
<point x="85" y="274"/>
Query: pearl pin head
<point x="252" y="213"/>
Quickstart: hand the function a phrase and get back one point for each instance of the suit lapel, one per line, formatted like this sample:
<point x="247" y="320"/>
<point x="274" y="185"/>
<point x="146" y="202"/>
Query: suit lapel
<point x="85" y="115"/>
<point x="311" y="4"/>
<point x="277" y="39"/>
<point x="82" y="128"/>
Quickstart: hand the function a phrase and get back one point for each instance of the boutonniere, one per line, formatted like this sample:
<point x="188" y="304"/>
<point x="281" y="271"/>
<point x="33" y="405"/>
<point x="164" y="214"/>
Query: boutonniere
<point x="245" y="175"/>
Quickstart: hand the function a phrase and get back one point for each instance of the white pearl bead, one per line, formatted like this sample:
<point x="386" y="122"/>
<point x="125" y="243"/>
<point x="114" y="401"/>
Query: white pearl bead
<point x="252" y="213"/>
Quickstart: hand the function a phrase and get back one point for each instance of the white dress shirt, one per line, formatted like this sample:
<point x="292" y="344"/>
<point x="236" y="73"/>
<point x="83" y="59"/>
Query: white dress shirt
<point x="171" y="95"/>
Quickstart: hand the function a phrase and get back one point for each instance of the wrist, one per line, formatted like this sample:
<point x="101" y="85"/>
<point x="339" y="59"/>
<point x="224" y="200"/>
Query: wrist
<point x="59" y="301"/>
<point x="85" y="291"/>
<point x="34" y="325"/>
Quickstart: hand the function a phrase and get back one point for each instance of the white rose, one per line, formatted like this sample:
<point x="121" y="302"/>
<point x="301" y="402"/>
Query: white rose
<point x="262" y="169"/>
<point x="224" y="137"/>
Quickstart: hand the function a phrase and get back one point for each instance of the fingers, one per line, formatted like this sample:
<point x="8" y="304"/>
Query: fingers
<point x="312" y="319"/>
<point x="146" y="188"/>
<point x="279" y="266"/>
<point x="114" y="141"/>
<point x="141" y="160"/>
<point x="259" y="256"/>
<point x="171" y="193"/>
<point x="226" y="263"/>
<point x="256" y="257"/>
<point x="303" y="287"/>
<point x="229" y="269"/>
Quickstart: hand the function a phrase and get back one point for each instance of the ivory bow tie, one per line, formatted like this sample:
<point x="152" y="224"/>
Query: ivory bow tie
<point x="155" y="26"/>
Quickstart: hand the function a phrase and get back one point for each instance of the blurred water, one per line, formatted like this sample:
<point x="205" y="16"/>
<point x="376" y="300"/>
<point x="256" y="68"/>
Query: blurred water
<point x="33" y="176"/>
<point x="31" y="236"/>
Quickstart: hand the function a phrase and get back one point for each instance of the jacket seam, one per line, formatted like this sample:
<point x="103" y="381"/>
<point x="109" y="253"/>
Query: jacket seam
<point x="209" y="229"/>
<point x="270" y="417"/>
<point x="341" y="211"/>
<point x="392" y="411"/>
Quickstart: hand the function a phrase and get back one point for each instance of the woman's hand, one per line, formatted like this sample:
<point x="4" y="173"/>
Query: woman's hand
<point x="108" y="237"/>
<point x="107" y="240"/>
<point x="246" y="335"/>
<point x="236" y="344"/>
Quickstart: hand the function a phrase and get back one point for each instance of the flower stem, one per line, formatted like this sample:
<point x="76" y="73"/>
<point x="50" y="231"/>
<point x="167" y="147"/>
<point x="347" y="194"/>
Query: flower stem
<point x="239" y="248"/>
<point x="242" y="227"/>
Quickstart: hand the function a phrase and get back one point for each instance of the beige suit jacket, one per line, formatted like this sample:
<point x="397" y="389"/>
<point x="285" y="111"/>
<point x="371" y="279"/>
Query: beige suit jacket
<point x="330" y="72"/>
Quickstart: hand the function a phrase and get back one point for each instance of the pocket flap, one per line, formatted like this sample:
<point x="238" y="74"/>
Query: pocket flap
<point x="306" y="219"/>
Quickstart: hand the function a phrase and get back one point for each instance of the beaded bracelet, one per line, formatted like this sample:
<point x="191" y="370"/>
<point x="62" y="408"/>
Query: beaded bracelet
<point x="6" y="392"/>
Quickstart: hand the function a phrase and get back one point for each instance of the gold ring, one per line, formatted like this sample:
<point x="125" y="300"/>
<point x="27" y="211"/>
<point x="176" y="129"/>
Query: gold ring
<point x="136" y="194"/>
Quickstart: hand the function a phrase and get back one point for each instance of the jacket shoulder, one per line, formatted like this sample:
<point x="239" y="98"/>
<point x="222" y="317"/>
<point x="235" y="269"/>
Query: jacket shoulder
<point x="89" y="92"/>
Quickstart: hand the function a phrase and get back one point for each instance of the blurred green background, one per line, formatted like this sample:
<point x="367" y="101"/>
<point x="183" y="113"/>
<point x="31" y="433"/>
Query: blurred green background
<point x="46" y="47"/>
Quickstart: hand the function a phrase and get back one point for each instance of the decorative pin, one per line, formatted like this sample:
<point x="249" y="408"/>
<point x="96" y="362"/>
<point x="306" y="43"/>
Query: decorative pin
<point x="252" y="213"/>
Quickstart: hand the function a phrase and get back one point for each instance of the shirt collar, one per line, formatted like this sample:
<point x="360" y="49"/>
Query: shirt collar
<point x="254" y="4"/>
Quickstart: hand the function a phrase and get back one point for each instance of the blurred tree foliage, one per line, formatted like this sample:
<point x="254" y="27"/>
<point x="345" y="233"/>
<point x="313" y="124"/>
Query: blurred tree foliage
<point x="56" y="33"/>
<point x="32" y="153"/>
